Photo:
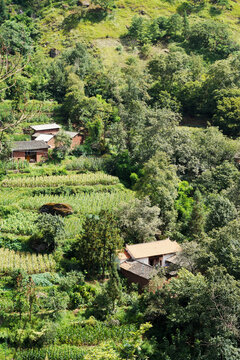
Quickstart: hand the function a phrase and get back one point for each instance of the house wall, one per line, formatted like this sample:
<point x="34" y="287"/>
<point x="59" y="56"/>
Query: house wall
<point x="135" y="278"/>
<point x="51" y="143"/>
<point x="77" y="140"/>
<point x="19" y="155"/>
<point x="165" y="257"/>
<point x="49" y="131"/>
<point x="144" y="261"/>
<point x="42" y="154"/>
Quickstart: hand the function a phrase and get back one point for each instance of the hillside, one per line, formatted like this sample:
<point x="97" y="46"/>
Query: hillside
<point x="119" y="180"/>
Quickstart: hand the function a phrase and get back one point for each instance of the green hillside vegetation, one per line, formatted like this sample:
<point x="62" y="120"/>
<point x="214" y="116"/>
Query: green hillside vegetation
<point x="154" y="89"/>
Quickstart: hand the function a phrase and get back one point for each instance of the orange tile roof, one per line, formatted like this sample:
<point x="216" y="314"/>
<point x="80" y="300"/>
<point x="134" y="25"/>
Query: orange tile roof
<point x="154" y="248"/>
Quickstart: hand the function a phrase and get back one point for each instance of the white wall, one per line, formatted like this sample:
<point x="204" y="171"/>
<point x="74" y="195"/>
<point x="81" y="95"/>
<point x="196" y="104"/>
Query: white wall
<point x="165" y="257"/>
<point x="144" y="261"/>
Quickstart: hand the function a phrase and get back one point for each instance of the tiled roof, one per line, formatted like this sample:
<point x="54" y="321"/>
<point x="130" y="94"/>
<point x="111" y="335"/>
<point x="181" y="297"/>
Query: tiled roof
<point x="29" y="145"/>
<point x="172" y="259"/>
<point x="71" y="133"/>
<point x="45" y="127"/>
<point x="136" y="267"/>
<point x="154" y="248"/>
<point x="44" y="137"/>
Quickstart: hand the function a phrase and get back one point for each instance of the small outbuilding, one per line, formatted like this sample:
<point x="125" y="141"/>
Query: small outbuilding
<point x="32" y="151"/>
<point x="138" y="262"/>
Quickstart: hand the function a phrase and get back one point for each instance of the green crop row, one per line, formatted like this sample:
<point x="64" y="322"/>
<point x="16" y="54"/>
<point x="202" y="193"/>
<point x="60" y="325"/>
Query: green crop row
<point x="82" y="203"/>
<point x="49" y="181"/>
<point x="31" y="263"/>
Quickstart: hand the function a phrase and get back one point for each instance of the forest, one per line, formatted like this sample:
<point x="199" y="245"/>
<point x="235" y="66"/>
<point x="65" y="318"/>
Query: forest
<point x="153" y="89"/>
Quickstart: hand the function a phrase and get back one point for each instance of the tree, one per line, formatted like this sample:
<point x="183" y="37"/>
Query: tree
<point x="132" y="348"/>
<point x="25" y="303"/>
<point x="186" y="26"/>
<point x="15" y="37"/>
<point x="50" y="232"/>
<point x="195" y="257"/>
<point x="225" y="247"/>
<point x="198" y="217"/>
<point x="56" y="301"/>
<point x="211" y="38"/>
<point x="105" y="302"/>
<point x="194" y="153"/>
<point x="219" y="178"/>
<point x="95" y="249"/>
<point x="184" y="206"/>
<point x="222" y="3"/>
<point x="62" y="146"/>
<point x="139" y="221"/>
<point x="227" y="115"/>
<point x="160" y="182"/>
<point x="190" y="313"/>
<point x="221" y="212"/>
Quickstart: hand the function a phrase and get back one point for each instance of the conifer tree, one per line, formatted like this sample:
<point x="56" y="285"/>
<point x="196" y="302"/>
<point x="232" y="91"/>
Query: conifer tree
<point x="113" y="287"/>
<point x="197" y="222"/>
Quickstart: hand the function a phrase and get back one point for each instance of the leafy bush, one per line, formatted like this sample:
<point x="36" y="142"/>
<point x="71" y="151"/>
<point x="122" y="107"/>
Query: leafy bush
<point x="84" y="164"/>
<point x="211" y="38"/>
<point x="45" y="279"/>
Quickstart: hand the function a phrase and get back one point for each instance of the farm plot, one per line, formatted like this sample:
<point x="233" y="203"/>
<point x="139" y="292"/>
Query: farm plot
<point x="64" y="180"/>
<point x="19" y="223"/>
<point x="81" y="203"/>
<point x="31" y="263"/>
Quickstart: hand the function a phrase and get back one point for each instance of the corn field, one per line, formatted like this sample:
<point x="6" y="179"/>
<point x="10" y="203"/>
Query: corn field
<point x="64" y="180"/>
<point x="81" y="203"/>
<point x="32" y="263"/>
<point x="19" y="223"/>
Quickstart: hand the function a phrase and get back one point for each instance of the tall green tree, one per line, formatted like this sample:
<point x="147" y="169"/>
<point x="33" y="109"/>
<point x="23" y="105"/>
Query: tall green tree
<point x="50" y="232"/>
<point x="198" y="217"/>
<point x="95" y="249"/>
<point x="160" y="182"/>
<point x="62" y="146"/>
<point x="139" y="221"/>
<point x="196" y="316"/>
<point x="221" y="211"/>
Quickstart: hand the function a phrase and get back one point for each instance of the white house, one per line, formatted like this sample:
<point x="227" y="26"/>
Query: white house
<point x="153" y="253"/>
<point x="137" y="262"/>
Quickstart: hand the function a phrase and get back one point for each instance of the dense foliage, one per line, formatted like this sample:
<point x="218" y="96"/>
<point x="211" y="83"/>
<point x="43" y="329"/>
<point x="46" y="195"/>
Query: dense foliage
<point x="154" y="91"/>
